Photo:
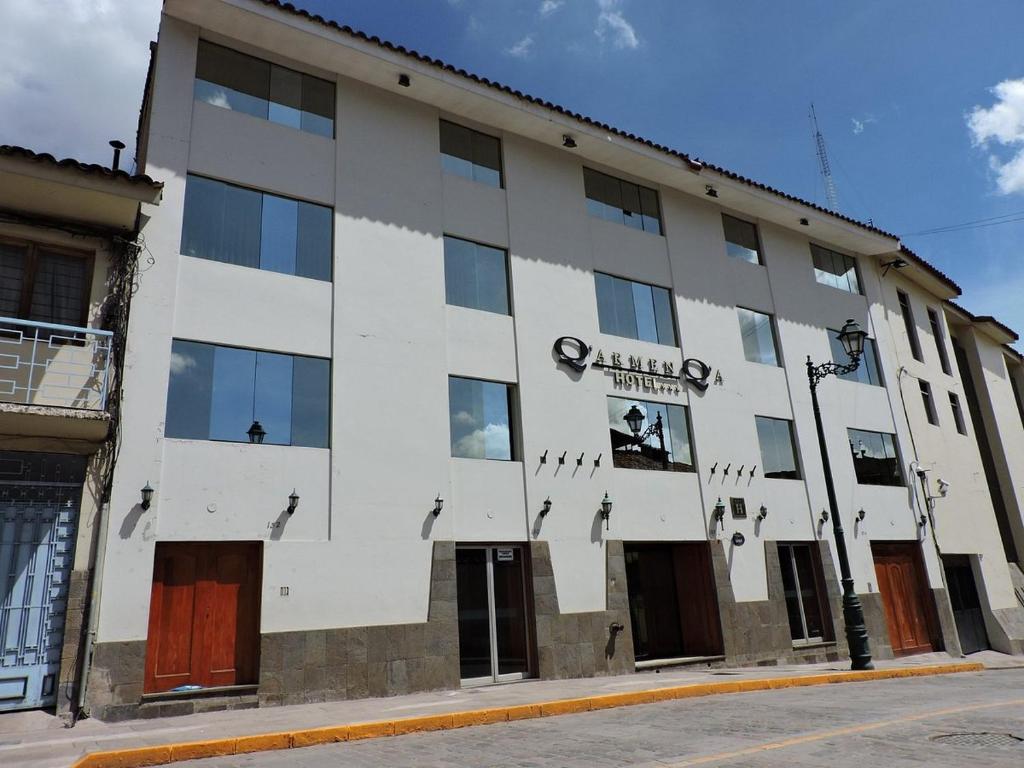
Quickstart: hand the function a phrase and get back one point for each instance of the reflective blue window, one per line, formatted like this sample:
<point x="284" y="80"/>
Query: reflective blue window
<point x="622" y="202"/>
<point x="478" y="413"/>
<point x="741" y="241"/>
<point x="216" y="393"/>
<point x="225" y="222"/>
<point x="634" y="310"/>
<point x="628" y="452"/>
<point x="475" y="276"/>
<point x="758" y="334"/>
<point x="867" y="371"/>
<point x="470" y="154"/>
<point x="875" y="460"/>
<point x="835" y="269"/>
<point x="778" y="448"/>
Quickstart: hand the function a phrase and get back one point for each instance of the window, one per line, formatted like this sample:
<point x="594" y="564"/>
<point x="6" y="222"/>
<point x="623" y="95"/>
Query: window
<point x="908" y="323"/>
<point x="778" y="448"/>
<point x="940" y="340"/>
<point x="835" y="269"/>
<point x="874" y="458"/>
<point x="233" y="80"/>
<point x="216" y="393"/>
<point x="634" y="310"/>
<point x="621" y="201"/>
<point x="478" y="412"/>
<point x="235" y="225"/>
<point x="805" y="601"/>
<point x="867" y="371"/>
<point x="758" y="334"/>
<point x="929" y="402"/>
<point x="44" y="284"/>
<point x="475" y="276"/>
<point x="677" y="455"/>
<point x="470" y="154"/>
<point x="958" y="414"/>
<point x="741" y="241"/>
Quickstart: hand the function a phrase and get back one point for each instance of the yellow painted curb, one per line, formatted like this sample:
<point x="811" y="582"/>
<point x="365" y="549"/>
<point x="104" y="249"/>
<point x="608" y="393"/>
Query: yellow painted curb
<point x="138" y="757"/>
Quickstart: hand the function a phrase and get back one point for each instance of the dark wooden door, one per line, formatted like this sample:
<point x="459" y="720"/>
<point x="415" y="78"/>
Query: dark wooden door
<point x="204" y="615"/>
<point x="901" y="582"/>
<point x="698" y="603"/>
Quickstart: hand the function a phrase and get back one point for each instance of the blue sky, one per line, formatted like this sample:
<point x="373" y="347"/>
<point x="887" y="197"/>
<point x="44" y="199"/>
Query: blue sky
<point x="730" y="81"/>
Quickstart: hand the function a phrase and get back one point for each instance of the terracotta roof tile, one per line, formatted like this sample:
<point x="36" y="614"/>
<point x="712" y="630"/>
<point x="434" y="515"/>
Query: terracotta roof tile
<point x="7" y="150"/>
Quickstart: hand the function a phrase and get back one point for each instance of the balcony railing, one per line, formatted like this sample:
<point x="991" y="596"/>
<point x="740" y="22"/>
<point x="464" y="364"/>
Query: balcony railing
<point x="54" y="365"/>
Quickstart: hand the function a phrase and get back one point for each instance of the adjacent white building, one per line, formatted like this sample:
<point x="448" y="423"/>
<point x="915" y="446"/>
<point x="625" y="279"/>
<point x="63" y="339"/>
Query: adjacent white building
<point x="379" y="373"/>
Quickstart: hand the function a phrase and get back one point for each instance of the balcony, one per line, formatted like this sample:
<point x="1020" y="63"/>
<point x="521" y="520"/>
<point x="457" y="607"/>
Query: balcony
<point x="53" y="379"/>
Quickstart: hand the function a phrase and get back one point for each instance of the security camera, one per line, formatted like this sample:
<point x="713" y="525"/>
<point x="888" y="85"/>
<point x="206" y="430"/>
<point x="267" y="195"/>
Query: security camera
<point x="943" y="487"/>
<point x="921" y="473"/>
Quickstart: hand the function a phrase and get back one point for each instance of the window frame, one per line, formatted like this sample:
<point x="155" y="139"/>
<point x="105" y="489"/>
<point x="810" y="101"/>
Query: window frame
<point x="793" y="444"/>
<point x="940" y="339"/>
<point x="512" y="398"/>
<point x="687" y="423"/>
<point x="909" y="324"/>
<point x="640" y="189"/>
<point x="501" y="153"/>
<point x="757" y="236"/>
<point x="928" y="400"/>
<point x="897" y="457"/>
<point x="776" y="347"/>
<point x="820" y="592"/>
<point x="508" y="274"/>
<point x="853" y="259"/>
<point x="671" y="307"/>
<point x="30" y="274"/>
<point x="958" y="413"/>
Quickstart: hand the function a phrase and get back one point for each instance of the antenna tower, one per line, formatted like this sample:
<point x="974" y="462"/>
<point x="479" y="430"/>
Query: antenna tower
<point x="823" y="164"/>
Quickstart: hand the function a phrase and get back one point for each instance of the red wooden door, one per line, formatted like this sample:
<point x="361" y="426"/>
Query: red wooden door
<point x="901" y="582"/>
<point x="204" y="615"/>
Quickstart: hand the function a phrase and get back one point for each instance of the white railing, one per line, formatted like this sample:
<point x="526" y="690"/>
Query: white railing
<point x="54" y="365"/>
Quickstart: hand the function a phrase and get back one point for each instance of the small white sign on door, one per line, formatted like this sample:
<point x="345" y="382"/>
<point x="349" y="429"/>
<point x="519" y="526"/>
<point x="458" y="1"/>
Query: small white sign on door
<point x="506" y="555"/>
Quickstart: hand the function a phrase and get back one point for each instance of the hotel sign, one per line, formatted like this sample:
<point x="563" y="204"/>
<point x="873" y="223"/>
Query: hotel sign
<point x="635" y="371"/>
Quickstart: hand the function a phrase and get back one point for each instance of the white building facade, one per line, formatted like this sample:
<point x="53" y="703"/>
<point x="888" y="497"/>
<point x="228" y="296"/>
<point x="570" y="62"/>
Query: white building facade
<point x="379" y="371"/>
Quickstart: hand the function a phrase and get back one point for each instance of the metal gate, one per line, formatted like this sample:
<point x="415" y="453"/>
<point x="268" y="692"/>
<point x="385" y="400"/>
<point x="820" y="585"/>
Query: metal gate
<point x="40" y="495"/>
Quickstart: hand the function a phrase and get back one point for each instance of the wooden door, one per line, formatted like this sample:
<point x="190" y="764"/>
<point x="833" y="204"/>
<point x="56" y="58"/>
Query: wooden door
<point x="698" y="603"/>
<point x="204" y="615"/>
<point x="901" y="582"/>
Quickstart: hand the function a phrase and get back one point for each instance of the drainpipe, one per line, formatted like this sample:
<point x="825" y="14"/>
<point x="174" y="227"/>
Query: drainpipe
<point x="93" y="612"/>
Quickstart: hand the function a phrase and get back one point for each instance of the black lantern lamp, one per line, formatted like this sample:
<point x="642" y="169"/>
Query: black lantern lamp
<point x="852" y="338"/>
<point x="147" y="495"/>
<point x="293" y="502"/>
<point x="635" y="419"/>
<point x="438" y="505"/>
<point x="546" y="508"/>
<point x="719" y="509"/>
<point x="256" y="433"/>
<point x="762" y="513"/>
<point x="606" y="509"/>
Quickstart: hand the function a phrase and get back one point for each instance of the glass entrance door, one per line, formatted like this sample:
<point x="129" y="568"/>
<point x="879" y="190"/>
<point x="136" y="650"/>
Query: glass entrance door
<point x="493" y="636"/>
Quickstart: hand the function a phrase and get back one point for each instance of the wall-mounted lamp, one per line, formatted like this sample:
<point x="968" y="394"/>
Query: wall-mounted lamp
<point x="824" y="516"/>
<point x="147" y="495"/>
<point x="922" y="520"/>
<point x="546" y="508"/>
<point x="719" y="510"/>
<point x="403" y="80"/>
<point x="293" y="502"/>
<point x="762" y="513"/>
<point x="896" y="263"/>
<point x="606" y="509"/>
<point x="943" y="488"/>
<point x="438" y="505"/>
<point x="804" y="223"/>
<point x="568" y="141"/>
<point x="256" y="433"/>
<point x="861" y="514"/>
<point x="710" y="191"/>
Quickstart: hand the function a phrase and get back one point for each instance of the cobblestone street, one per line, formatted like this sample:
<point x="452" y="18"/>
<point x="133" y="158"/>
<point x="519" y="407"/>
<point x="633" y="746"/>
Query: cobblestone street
<point x="887" y="723"/>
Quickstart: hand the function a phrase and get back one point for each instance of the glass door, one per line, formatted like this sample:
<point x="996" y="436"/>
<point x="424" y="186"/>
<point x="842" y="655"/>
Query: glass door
<point x="493" y="633"/>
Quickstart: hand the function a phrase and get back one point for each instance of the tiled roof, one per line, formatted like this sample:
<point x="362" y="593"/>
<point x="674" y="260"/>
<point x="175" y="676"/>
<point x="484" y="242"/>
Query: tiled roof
<point x="6" y="150"/>
<point x="693" y="162"/>
<point x="932" y="270"/>
<point x="985" y="319"/>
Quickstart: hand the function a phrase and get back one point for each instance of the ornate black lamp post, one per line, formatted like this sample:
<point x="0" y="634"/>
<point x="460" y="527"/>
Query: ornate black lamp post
<point x="635" y="419"/>
<point x="852" y="338"/>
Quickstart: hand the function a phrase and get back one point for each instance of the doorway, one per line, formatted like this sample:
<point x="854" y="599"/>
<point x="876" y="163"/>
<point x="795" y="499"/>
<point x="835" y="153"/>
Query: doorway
<point x="493" y="626"/>
<point x="963" y="597"/>
<point x="901" y="581"/>
<point x="204" y="615"/>
<point x="672" y="604"/>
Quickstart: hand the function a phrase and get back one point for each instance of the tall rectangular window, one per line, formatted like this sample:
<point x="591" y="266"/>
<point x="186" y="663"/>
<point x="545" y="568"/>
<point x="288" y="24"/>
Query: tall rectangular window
<point x="237" y="81"/>
<point x="908" y="323"/>
<point x="475" y="276"/>
<point x="958" y="414"/>
<point x="778" y="448"/>
<point x="805" y="600"/>
<point x="629" y="451"/>
<point x="758" y="334"/>
<point x="44" y="284"/>
<point x="219" y="393"/>
<point x="929" y="402"/>
<point x="867" y="371"/>
<point x="835" y="269"/>
<point x="235" y="225"/>
<point x="479" y="414"/>
<point x="634" y="310"/>
<point x="940" y="340"/>
<point x="741" y="241"/>
<point x="621" y="201"/>
<point x="471" y="154"/>
<point x="875" y="461"/>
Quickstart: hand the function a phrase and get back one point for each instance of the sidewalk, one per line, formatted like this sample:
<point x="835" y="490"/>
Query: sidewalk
<point x="38" y="740"/>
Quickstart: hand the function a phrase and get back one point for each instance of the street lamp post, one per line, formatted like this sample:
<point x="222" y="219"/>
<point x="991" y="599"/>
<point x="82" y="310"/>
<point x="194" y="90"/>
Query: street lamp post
<point x="852" y="338"/>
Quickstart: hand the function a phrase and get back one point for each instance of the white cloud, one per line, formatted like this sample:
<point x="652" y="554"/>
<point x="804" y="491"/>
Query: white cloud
<point x="521" y="50"/>
<point x="181" y="363"/>
<point x="860" y="125"/>
<point x="613" y="27"/>
<point x="72" y="72"/>
<point x="1003" y="124"/>
<point x="492" y="441"/>
<point x="550" y="6"/>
